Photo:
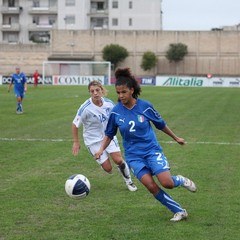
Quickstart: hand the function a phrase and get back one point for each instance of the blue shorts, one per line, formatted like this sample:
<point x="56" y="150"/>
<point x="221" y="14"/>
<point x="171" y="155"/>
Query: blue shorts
<point x="19" y="94"/>
<point x="151" y="163"/>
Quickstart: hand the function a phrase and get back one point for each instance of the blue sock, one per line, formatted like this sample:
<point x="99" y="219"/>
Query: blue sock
<point x="18" y="106"/>
<point x="177" y="181"/>
<point x="167" y="201"/>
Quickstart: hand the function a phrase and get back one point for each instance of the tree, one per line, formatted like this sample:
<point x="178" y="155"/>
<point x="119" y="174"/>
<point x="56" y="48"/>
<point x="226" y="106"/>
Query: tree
<point x="176" y="52"/>
<point x="115" y="54"/>
<point x="149" y="61"/>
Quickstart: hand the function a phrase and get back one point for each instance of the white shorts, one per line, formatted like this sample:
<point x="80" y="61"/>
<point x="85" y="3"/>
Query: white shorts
<point x="112" y="147"/>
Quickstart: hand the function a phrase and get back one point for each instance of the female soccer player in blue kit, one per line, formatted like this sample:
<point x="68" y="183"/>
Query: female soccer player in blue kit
<point x="20" y="87"/>
<point x="144" y="155"/>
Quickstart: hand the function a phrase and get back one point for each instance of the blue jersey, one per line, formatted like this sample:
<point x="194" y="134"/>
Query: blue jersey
<point x="19" y="80"/>
<point x="135" y="127"/>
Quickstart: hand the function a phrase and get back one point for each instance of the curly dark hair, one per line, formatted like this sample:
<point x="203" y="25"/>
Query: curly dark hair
<point x="124" y="77"/>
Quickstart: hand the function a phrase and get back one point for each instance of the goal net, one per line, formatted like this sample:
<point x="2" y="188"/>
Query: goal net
<point x="76" y="73"/>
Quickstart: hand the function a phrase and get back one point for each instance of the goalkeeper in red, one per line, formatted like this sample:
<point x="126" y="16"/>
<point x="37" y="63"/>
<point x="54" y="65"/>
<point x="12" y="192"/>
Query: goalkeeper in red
<point x="144" y="155"/>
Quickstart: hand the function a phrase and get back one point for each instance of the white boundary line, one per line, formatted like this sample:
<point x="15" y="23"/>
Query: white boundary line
<point x="34" y="140"/>
<point x="207" y="143"/>
<point x="69" y="140"/>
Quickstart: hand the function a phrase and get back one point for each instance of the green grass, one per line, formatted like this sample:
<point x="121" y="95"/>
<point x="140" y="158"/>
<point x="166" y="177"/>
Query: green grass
<point x="33" y="171"/>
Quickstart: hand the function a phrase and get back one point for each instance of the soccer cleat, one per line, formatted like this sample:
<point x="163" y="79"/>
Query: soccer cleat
<point x="188" y="184"/>
<point x="179" y="216"/>
<point x="131" y="187"/>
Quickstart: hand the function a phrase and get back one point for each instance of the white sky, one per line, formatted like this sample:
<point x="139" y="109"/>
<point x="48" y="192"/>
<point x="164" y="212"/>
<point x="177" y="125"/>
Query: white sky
<point x="199" y="14"/>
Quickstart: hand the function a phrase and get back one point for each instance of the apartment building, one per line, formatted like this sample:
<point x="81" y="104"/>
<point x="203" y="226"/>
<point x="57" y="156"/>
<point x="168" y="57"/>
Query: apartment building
<point x="26" y="21"/>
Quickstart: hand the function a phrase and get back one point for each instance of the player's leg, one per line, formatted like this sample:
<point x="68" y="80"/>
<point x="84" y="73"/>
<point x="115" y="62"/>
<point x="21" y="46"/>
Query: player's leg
<point x="123" y="169"/>
<point x="169" y="181"/>
<point x="103" y="161"/>
<point x="160" y="167"/>
<point x="105" y="164"/>
<point x="160" y="195"/>
<point x="19" y="103"/>
<point x="180" y="180"/>
<point x="113" y="150"/>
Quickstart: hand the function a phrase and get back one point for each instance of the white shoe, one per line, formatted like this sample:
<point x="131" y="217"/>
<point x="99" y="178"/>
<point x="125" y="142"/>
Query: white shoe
<point x="179" y="216"/>
<point x="131" y="187"/>
<point x="188" y="184"/>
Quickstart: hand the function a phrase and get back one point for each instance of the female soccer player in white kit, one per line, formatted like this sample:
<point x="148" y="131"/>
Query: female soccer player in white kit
<point x="93" y="114"/>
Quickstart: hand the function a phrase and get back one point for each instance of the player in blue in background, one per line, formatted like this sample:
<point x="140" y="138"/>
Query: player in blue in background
<point x="20" y="87"/>
<point x="144" y="155"/>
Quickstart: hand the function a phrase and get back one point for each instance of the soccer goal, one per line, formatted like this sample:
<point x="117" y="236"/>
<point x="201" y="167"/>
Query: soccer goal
<point x="76" y="73"/>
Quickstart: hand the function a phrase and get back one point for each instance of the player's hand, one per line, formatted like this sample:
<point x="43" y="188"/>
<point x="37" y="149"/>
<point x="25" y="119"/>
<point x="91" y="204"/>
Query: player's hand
<point x="180" y="141"/>
<point x="98" y="154"/>
<point x="75" y="148"/>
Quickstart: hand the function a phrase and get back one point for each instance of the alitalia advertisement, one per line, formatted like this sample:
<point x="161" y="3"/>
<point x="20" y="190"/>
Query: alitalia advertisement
<point x="186" y="81"/>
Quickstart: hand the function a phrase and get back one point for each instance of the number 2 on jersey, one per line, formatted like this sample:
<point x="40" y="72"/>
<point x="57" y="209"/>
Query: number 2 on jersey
<point x="132" y="126"/>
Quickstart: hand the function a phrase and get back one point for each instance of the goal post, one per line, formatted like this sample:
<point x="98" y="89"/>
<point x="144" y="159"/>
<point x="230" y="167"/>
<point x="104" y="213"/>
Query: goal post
<point x="76" y="73"/>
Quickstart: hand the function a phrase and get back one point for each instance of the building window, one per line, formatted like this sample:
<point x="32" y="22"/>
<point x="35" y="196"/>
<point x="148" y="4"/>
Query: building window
<point x="114" y="4"/>
<point x="35" y="20"/>
<point x="51" y="20"/>
<point x="69" y="19"/>
<point x="70" y="2"/>
<point x="11" y="3"/>
<point x="100" y="6"/>
<point x="130" y="4"/>
<point x="130" y="21"/>
<point x="12" y="38"/>
<point x="36" y="4"/>
<point x="115" y="22"/>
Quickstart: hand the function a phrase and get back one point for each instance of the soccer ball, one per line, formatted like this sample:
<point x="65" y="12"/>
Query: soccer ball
<point x="77" y="186"/>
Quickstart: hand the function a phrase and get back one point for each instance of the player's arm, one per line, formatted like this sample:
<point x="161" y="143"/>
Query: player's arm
<point x="110" y="132"/>
<point x="170" y="133"/>
<point x="76" y="145"/>
<point x="25" y="86"/>
<point x="25" y="82"/>
<point x="106" y="141"/>
<point x="9" y="86"/>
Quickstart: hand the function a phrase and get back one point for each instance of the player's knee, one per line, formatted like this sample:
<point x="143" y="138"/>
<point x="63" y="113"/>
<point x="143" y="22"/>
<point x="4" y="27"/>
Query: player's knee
<point x="168" y="183"/>
<point x="153" y="188"/>
<point x="107" y="169"/>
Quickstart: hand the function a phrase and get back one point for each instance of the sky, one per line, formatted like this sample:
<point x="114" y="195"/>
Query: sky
<point x="199" y="15"/>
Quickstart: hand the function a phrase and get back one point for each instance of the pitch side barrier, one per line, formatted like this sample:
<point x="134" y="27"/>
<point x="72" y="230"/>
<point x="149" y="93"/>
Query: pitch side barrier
<point x="163" y="81"/>
<point x="186" y="81"/>
<point x="58" y="80"/>
<point x="30" y="80"/>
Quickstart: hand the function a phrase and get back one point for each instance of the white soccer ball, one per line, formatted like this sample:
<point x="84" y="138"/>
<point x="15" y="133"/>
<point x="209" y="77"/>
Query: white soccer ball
<point x="77" y="186"/>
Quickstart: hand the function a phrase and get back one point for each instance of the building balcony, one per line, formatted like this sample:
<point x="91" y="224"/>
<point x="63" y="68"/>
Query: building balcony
<point x="43" y="10"/>
<point x="10" y="27"/>
<point x="105" y="1"/>
<point x="98" y="13"/>
<point x="41" y="27"/>
<point x="103" y="27"/>
<point x="10" y="10"/>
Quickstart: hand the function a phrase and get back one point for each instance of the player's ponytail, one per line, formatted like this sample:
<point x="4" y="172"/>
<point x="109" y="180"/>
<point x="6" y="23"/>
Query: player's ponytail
<point x="124" y="77"/>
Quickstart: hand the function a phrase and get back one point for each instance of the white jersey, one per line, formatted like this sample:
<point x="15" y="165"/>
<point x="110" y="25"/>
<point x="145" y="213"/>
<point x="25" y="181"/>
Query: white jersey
<point x="94" y="120"/>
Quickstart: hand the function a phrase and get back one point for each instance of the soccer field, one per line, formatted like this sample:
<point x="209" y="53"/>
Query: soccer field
<point x="36" y="160"/>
